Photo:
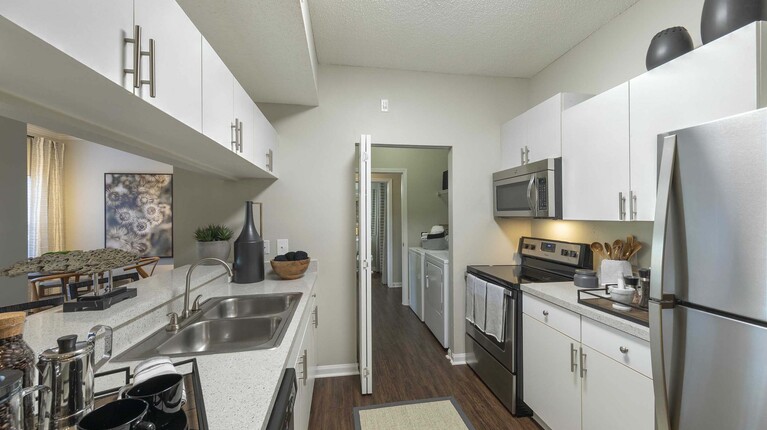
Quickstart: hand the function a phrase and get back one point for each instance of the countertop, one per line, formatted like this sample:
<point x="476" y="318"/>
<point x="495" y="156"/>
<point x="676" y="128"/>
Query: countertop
<point x="565" y="294"/>
<point x="238" y="388"/>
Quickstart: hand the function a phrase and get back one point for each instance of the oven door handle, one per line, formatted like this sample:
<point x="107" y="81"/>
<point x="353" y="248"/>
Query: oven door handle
<point x="533" y="206"/>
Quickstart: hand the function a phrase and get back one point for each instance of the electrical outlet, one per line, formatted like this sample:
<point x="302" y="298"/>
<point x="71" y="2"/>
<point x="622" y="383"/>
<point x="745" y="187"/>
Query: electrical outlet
<point x="384" y="105"/>
<point x="282" y="246"/>
<point x="267" y="247"/>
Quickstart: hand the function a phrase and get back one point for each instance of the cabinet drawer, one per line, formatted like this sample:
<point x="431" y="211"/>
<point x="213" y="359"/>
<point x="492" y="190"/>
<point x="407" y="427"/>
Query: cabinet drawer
<point x="552" y="315"/>
<point x="612" y="343"/>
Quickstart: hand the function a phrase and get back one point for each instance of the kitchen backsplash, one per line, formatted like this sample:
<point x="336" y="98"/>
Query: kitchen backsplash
<point x="598" y="231"/>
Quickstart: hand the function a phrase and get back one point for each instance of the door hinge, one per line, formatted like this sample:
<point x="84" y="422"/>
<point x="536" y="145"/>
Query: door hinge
<point x="365" y="157"/>
<point x="365" y="372"/>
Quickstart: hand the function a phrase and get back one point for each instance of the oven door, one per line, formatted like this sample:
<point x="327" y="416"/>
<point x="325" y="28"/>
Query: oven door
<point x="515" y="197"/>
<point x="504" y="352"/>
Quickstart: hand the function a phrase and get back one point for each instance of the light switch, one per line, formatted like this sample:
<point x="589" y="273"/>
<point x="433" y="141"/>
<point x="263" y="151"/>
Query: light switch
<point x="384" y="105"/>
<point x="282" y="246"/>
<point x="267" y="247"/>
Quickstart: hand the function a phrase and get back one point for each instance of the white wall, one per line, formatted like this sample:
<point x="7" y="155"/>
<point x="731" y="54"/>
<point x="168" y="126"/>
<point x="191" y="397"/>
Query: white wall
<point x="84" y="166"/>
<point x="312" y="203"/>
<point x="610" y="56"/>
<point x="616" y="52"/>
<point x="13" y="207"/>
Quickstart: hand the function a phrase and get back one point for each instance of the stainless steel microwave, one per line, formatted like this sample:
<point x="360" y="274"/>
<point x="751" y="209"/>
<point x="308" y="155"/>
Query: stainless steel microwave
<point x="532" y="190"/>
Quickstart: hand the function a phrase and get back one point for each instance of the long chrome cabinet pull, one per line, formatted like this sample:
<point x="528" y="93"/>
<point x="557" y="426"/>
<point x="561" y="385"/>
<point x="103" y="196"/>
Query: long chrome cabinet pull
<point x="633" y="205"/>
<point x="583" y="363"/>
<point x="573" y="364"/>
<point x="316" y="317"/>
<point x="522" y="155"/>
<point x="233" y="134"/>
<point x="270" y="161"/>
<point x="306" y="367"/>
<point x="136" y="70"/>
<point x="527" y="155"/>
<point x="239" y="136"/>
<point x="151" y="80"/>
<point x="620" y="206"/>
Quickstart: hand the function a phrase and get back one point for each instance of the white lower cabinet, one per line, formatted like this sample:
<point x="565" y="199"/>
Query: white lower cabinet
<point x="306" y="369"/>
<point x="551" y="380"/>
<point x="578" y="384"/>
<point x="614" y="396"/>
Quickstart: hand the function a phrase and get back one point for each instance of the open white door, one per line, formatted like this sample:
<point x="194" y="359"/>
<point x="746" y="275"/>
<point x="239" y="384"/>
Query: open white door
<point x="364" y="256"/>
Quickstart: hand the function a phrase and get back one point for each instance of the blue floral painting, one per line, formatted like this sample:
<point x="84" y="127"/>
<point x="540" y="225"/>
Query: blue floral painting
<point x="138" y="214"/>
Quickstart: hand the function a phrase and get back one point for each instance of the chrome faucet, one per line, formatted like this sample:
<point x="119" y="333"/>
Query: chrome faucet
<point x="196" y="307"/>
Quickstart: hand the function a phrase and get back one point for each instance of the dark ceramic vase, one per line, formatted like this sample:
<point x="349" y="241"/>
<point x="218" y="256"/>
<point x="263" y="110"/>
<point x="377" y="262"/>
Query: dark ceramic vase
<point x="667" y="45"/>
<point x="721" y="17"/>
<point x="248" y="264"/>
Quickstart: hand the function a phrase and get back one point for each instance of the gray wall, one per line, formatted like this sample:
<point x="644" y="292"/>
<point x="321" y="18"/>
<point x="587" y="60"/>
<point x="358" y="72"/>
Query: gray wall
<point x="424" y="179"/>
<point x="610" y="56"/>
<point x="312" y="203"/>
<point x="13" y="209"/>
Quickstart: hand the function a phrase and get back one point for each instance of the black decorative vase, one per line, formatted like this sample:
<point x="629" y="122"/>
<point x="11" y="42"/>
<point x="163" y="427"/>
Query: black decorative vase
<point x="248" y="264"/>
<point x="721" y="17"/>
<point x="667" y="45"/>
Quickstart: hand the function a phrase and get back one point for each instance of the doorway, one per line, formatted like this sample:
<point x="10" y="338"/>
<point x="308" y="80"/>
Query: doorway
<point x="424" y="208"/>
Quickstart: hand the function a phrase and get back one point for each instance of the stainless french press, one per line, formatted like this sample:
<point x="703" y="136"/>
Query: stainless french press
<point x="68" y="370"/>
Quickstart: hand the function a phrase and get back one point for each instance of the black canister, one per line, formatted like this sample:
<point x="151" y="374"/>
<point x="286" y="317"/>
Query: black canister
<point x="248" y="264"/>
<point x="721" y="17"/>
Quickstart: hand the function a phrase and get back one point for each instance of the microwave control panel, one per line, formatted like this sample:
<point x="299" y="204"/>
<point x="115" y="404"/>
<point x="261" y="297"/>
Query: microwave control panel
<point x="543" y="195"/>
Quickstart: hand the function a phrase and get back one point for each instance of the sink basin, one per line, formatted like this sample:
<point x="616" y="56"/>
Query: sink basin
<point x="224" y="324"/>
<point x="251" y="306"/>
<point x="222" y="336"/>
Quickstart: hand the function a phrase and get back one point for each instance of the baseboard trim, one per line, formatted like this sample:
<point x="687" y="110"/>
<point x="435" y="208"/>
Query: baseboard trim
<point x="395" y="285"/>
<point x="335" y="370"/>
<point x="457" y="359"/>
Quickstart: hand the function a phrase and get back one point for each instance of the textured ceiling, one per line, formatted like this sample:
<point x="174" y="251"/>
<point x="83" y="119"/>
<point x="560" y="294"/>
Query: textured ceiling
<point x="264" y="43"/>
<point x="512" y="38"/>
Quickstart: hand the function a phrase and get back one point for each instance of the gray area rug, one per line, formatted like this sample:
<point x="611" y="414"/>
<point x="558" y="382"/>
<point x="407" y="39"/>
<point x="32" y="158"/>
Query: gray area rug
<point x="442" y="413"/>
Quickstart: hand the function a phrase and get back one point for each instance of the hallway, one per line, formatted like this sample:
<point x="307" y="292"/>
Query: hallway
<point x="408" y="364"/>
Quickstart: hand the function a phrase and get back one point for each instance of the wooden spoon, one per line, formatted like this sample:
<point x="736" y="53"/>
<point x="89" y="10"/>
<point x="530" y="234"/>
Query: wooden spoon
<point x="597" y="248"/>
<point x="634" y="249"/>
<point x="628" y="247"/>
<point x="618" y="249"/>
<point x="608" y="251"/>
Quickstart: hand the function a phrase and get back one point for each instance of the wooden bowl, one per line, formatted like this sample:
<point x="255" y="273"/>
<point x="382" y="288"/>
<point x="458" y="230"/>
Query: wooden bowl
<point x="290" y="269"/>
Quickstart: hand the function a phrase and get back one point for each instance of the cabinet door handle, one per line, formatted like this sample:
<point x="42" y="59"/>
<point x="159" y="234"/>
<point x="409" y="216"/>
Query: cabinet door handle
<point x="304" y="376"/>
<point x="233" y="134"/>
<point x="573" y="351"/>
<point x="136" y="70"/>
<point x="316" y="317"/>
<point x="239" y="136"/>
<point x="152" y="56"/>
<point x="522" y="155"/>
<point x="583" y="363"/>
<point x="633" y="204"/>
<point x="623" y="350"/>
<point x="621" y="206"/>
<point x="527" y="155"/>
<point x="270" y="161"/>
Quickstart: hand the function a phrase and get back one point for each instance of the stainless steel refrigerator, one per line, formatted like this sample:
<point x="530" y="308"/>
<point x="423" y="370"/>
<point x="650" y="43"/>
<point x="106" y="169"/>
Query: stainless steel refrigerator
<point x="708" y="308"/>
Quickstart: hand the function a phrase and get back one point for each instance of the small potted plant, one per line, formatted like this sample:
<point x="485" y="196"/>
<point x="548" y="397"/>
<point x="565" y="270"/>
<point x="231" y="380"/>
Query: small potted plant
<point x="213" y="241"/>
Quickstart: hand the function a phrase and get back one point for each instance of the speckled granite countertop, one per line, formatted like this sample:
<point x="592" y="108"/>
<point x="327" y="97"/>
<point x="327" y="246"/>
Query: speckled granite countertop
<point x="238" y="388"/>
<point x="565" y="294"/>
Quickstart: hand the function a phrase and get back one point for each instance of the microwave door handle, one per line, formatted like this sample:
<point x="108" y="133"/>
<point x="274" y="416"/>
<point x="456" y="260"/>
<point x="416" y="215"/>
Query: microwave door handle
<point x="529" y="191"/>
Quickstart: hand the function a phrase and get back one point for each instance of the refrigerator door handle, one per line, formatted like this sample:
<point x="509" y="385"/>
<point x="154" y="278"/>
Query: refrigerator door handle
<point x="660" y="300"/>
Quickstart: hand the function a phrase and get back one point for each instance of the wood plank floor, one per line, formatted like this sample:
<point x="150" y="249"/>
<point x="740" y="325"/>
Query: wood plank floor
<point x="408" y="364"/>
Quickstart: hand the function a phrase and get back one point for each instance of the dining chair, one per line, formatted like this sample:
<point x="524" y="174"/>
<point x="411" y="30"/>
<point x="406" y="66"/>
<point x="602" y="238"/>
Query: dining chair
<point x="144" y="264"/>
<point x="42" y="286"/>
<point x="77" y="289"/>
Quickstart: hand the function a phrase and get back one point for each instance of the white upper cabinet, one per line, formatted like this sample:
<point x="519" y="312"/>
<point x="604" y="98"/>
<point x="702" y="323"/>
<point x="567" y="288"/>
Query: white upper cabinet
<point x="720" y="79"/>
<point x="267" y="143"/>
<point x="537" y="133"/>
<point x="244" y="114"/>
<point x="177" y="58"/>
<point x="595" y="158"/>
<point x="90" y="31"/>
<point x="217" y="97"/>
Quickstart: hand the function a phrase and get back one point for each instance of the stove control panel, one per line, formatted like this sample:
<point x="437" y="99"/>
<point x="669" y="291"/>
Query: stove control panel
<point x="563" y="252"/>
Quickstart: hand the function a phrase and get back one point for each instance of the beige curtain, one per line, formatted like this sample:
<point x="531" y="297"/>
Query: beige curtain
<point x="45" y="198"/>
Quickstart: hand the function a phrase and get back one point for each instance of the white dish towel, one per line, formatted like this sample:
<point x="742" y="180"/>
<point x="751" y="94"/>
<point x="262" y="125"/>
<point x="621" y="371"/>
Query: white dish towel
<point x="150" y="368"/>
<point x="470" y="283"/>
<point x="480" y="291"/>
<point x="496" y="311"/>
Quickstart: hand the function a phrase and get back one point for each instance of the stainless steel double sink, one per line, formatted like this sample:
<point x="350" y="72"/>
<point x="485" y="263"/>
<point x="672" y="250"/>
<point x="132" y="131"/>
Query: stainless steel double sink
<point x="223" y="324"/>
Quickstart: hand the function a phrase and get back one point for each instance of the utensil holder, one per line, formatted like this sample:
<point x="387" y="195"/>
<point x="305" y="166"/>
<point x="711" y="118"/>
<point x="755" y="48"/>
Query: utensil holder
<point x="612" y="270"/>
